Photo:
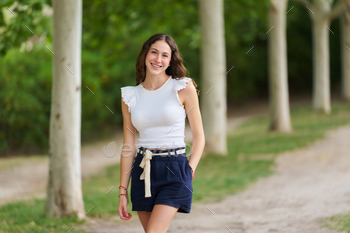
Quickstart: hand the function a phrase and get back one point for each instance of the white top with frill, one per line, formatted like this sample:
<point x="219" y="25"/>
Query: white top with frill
<point x="158" y="115"/>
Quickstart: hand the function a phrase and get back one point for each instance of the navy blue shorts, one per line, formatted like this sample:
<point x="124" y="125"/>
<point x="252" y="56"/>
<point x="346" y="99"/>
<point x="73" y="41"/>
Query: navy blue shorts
<point x="171" y="182"/>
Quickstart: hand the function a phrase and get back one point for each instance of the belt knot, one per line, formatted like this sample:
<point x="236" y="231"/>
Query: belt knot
<point x="146" y="174"/>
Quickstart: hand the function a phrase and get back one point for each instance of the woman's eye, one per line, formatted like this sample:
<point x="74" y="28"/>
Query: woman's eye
<point x="153" y="52"/>
<point x="165" y="56"/>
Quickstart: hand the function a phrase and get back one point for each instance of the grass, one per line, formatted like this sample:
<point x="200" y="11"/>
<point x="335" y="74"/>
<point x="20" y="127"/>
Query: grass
<point x="251" y="148"/>
<point x="27" y="216"/>
<point x="339" y="223"/>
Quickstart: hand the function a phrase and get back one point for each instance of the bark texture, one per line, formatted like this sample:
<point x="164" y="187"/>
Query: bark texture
<point x="213" y="73"/>
<point x="64" y="191"/>
<point x="322" y="13"/>
<point x="321" y="69"/>
<point x="345" y="48"/>
<point x="278" y="74"/>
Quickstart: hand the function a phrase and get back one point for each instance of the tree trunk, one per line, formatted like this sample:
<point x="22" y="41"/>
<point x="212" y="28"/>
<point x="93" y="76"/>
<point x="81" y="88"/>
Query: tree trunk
<point x="321" y="73"/>
<point x="213" y="73"/>
<point x="345" y="48"/>
<point x="64" y="191"/>
<point x="322" y="15"/>
<point x="278" y="75"/>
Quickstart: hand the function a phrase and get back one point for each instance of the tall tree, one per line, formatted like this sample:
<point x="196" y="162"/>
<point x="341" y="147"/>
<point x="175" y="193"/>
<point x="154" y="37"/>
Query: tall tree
<point x="322" y="13"/>
<point x="278" y="75"/>
<point x="64" y="192"/>
<point x="213" y="74"/>
<point x="345" y="50"/>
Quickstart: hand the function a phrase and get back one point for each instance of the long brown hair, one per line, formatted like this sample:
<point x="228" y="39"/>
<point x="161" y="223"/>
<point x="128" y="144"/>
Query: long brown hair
<point x="177" y="70"/>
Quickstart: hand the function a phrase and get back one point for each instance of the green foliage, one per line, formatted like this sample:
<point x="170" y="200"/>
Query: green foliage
<point x="25" y="91"/>
<point x="245" y="28"/>
<point x="299" y="46"/>
<point x="119" y="28"/>
<point x="18" y="22"/>
<point x="25" y="88"/>
<point x="113" y="34"/>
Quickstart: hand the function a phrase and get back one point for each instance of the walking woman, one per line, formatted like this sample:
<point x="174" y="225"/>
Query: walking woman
<point x="161" y="176"/>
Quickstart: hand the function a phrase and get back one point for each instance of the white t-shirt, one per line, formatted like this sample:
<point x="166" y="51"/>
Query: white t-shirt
<point x="158" y="115"/>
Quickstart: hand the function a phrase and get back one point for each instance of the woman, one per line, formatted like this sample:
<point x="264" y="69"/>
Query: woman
<point x="161" y="175"/>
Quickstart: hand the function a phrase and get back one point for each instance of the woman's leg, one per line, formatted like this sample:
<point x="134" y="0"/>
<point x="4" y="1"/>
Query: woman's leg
<point x="161" y="218"/>
<point x="144" y="217"/>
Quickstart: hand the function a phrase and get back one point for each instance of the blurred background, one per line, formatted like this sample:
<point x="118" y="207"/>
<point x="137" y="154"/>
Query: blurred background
<point x="257" y="144"/>
<point x="113" y="33"/>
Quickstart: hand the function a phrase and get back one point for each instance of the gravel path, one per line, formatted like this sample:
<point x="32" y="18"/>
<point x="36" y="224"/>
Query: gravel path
<point x="308" y="185"/>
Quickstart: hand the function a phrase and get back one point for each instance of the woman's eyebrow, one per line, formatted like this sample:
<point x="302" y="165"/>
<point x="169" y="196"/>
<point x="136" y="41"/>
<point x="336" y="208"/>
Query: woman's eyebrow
<point x="157" y="50"/>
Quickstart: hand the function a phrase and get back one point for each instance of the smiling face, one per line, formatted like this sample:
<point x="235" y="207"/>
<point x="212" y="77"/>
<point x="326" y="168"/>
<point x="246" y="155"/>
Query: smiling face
<point x="158" y="58"/>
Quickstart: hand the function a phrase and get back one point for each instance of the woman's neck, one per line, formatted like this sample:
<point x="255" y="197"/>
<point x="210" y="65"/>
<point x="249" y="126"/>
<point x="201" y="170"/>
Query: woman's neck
<point x="153" y="82"/>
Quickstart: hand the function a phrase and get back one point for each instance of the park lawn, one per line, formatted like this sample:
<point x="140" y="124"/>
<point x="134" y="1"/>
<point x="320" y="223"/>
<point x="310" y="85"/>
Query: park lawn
<point x="339" y="223"/>
<point x="28" y="216"/>
<point x="251" y="148"/>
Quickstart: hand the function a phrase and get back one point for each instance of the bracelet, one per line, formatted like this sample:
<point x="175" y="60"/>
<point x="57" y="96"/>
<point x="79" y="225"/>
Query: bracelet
<point x="123" y="188"/>
<point x="126" y="195"/>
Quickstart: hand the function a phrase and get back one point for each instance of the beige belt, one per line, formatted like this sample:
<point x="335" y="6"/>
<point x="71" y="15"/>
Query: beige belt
<point x="146" y="165"/>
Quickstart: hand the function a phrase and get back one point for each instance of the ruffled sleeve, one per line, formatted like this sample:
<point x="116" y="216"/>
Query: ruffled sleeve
<point x="181" y="84"/>
<point x="128" y="95"/>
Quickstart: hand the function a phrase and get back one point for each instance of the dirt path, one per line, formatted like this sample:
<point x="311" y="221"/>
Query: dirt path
<point x="309" y="185"/>
<point x="29" y="180"/>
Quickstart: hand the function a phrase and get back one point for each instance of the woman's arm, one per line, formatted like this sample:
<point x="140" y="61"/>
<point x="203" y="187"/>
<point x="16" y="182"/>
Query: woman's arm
<point x="126" y="161"/>
<point x="191" y="103"/>
<point x="129" y="150"/>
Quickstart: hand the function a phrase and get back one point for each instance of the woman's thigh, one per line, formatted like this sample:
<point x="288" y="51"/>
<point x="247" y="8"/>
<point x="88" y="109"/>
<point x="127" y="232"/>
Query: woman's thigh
<point x="161" y="218"/>
<point x="144" y="218"/>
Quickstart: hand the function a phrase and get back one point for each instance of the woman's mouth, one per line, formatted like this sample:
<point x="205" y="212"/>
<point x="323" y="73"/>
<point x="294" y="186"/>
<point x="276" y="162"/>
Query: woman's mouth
<point x="155" y="66"/>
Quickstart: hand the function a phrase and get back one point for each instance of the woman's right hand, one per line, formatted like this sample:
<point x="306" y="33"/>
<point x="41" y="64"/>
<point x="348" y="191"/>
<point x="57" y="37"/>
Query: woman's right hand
<point x="123" y="208"/>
